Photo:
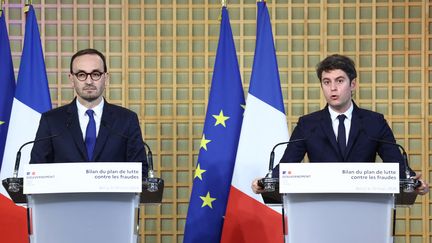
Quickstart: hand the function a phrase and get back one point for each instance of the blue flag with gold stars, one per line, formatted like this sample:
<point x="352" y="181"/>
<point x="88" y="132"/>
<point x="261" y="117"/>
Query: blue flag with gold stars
<point x="218" y="147"/>
<point x="7" y="83"/>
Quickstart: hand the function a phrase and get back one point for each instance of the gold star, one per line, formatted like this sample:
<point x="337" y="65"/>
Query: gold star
<point x="199" y="172"/>
<point x="207" y="200"/>
<point x="204" y="142"/>
<point x="1" y="122"/>
<point x="243" y="106"/>
<point x="220" y="119"/>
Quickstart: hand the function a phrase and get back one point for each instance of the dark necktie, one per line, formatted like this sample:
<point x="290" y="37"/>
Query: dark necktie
<point x="341" y="134"/>
<point x="90" y="138"/>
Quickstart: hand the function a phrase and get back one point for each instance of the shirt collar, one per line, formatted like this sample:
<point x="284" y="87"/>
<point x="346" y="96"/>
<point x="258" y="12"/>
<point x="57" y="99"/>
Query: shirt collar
<point x="348" y="113"/>
<point x="97" y="109"/>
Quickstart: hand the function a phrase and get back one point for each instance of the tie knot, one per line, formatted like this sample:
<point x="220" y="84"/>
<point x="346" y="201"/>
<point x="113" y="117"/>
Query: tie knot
<point x="90" y="113"/>
<point x="341" y="117"/>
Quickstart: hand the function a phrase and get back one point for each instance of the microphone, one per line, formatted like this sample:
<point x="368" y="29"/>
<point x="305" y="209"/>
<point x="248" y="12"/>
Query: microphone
<point x="151" y="182"/>
<point x="408" y="184"/>
<point x="14" y="184"/>
<point x="18" y="156"/>
<point x="268" y="183"/>
<point x="149" y="154"/>
<point x="272" y="154"/>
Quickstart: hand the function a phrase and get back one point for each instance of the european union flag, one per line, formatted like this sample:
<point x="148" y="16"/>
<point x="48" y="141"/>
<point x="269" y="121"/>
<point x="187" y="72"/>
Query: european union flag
<point x="7" y="83"/>
<point x="219" y="143"/>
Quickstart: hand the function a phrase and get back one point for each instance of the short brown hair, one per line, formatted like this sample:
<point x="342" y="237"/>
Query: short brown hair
<point x="337" y="61"/>
<point x="88" y="51"/>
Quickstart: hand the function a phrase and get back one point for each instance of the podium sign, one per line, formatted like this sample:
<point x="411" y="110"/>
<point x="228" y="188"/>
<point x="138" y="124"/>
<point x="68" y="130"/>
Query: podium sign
<point x="339" y="202"/>
<point x="339" y="178"/>
<point x="86" y="177"/>
<point x="83" y="202"/>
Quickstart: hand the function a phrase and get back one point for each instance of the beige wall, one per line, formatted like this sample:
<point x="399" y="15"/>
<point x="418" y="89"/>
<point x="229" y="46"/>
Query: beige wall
<point x="161" y="55"/>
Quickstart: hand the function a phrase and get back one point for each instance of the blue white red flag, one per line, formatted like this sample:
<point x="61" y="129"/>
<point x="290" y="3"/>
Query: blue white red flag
<point x="32" y="98"/>
<point x="13" y="219"/>
<point x="7" y="83"/>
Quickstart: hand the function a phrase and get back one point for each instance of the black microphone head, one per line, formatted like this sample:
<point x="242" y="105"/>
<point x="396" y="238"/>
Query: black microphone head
<point x="150" y="159"/>
<point x="271" y="163"/>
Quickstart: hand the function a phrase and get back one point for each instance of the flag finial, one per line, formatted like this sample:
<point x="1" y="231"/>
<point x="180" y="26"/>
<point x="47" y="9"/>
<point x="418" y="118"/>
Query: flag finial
<point x="27" y="5"/>
<point x="1" y="7"/>
<point x="224" y="3"/>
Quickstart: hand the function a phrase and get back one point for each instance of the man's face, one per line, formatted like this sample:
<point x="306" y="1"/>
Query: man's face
<point x="88" y="90"/>
<point x="337" y="89"/>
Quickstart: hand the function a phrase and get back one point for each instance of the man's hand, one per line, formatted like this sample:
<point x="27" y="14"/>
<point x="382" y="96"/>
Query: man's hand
<point x="257" y="189"/>
<point x="424" y="187"/>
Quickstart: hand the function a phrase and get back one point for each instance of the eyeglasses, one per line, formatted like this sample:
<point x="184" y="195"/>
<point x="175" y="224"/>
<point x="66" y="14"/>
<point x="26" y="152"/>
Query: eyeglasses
<point x="82" y="76"/>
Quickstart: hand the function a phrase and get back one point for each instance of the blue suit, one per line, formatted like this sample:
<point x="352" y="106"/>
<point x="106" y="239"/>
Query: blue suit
<point x="119" y="138"/>
<point x="320" y="143"/>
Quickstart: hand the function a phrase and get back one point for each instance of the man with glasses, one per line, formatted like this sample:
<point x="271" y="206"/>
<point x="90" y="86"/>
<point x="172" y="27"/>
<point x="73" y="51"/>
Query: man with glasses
<point x="89" y="128"/>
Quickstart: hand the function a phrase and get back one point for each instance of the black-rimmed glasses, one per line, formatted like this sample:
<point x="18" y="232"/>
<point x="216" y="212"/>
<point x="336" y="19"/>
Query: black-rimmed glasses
<point x="82" y="76"/>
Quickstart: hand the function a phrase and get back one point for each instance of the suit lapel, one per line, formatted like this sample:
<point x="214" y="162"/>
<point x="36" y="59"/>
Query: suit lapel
<point x="106" y="121"/>
<point x="326" y="125"/>
<point x="75" y="129"/>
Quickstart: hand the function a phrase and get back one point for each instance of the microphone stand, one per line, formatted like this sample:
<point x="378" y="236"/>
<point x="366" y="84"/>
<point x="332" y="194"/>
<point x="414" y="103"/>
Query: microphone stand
<point x="270" y="183"/>
<point x="14" y="185"/>
<point x="408" y="185"/>
<point x="152" y="186"/>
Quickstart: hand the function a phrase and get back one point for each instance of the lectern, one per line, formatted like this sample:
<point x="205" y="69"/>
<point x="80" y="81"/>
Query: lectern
<point x="339" y="218"/>
<point x="338" y="202"/>
<point x="83" y="217"/>
<point x="83" y="202"/>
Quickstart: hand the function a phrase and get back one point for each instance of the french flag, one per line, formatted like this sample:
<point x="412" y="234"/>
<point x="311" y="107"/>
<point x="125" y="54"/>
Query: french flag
<point x="32" y="98"/>
<point x="247" y="218"/>
<point x="13" y="219"/>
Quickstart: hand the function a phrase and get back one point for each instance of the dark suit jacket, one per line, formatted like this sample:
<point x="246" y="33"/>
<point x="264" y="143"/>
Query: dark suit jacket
<point x="119" y="138"/>
<point x="320" y="143"/>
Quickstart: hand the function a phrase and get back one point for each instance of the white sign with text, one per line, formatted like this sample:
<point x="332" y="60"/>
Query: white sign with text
<point x="339" y="178"/>
<point x="83" y="177"/>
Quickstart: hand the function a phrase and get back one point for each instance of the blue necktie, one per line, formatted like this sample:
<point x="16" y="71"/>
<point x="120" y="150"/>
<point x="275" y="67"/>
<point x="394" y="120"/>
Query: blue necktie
<point x="90" y="138"/>
<point x="341" y="134"/>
